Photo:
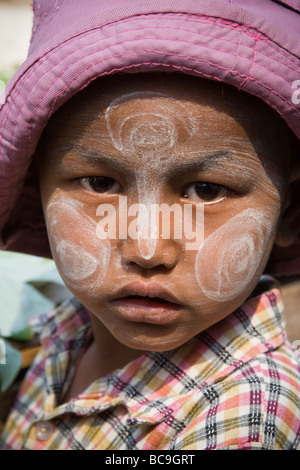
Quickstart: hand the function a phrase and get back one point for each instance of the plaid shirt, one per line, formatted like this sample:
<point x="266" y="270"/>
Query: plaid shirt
<point x="234" y="386"/>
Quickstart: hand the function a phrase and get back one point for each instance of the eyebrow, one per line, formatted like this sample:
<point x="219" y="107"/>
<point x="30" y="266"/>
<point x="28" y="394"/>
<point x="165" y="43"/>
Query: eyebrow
<point x="205" y="161"/>
<point x="95" y="157"/>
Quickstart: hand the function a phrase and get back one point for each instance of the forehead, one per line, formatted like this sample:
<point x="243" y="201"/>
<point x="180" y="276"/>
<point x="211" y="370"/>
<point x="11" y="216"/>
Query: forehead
<point x="122" y="92"/>
<point x="127" y="115"/>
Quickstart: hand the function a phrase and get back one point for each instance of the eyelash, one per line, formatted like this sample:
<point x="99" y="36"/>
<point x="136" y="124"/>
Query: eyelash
<point x="96" y="179"/>
<point x="224" y="190"/>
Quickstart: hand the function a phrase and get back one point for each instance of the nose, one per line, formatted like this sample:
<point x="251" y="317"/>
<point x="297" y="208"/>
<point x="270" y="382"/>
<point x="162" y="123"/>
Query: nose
<point x="151" y="253"/>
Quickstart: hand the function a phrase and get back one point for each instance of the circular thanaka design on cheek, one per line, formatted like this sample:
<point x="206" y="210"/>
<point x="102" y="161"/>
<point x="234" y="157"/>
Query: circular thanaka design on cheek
<point x="82" y="258"/>
<point x="76" y="265"/>
<point x="235" y="253"/>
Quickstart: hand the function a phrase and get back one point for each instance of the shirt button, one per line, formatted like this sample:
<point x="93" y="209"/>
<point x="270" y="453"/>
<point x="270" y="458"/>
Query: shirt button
<point x="43" y="430"/>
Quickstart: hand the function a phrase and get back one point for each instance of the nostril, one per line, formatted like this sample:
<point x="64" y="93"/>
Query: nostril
<point x="165" y="255"/>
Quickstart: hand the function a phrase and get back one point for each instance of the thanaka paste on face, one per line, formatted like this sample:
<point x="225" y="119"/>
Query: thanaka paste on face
<point x="235" y="251"/>
<point x="147" y="169"/>
<point x="150" y="139"/>
<point x="82" y="264"/>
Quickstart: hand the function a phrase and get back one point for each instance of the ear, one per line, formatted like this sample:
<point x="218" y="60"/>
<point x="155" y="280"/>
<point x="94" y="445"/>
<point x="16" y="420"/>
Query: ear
<point x="289" y="227"/>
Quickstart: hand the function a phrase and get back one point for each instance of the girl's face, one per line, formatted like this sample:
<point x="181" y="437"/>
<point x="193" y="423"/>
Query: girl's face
<point x="117" y="161"/>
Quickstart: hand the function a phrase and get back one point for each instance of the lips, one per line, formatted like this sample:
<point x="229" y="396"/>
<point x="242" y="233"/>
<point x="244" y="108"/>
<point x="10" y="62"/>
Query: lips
<point x="147" y="303"/>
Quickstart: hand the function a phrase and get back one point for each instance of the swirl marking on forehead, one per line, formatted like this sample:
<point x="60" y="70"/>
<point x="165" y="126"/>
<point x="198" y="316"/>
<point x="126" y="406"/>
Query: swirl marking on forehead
<point x="151" y="135"/>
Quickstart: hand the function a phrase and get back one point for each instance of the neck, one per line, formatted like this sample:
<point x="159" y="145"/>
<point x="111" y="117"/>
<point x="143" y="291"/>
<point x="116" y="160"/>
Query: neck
<point x="109" y="353"/>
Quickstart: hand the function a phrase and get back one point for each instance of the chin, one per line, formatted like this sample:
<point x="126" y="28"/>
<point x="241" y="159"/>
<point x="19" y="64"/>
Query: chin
<point x="150" y="342"/>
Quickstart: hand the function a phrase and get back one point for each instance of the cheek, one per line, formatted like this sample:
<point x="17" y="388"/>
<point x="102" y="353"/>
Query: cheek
<point x="81" y="257"/>
<point x="232" y="258"/>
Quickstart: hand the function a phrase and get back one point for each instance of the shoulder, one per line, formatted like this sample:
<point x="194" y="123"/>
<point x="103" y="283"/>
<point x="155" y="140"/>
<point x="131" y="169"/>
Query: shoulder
<point x="256" y="407"/>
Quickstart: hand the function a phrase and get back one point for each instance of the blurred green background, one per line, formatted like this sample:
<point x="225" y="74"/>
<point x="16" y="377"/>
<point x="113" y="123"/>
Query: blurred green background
<point x="15" y="30"/>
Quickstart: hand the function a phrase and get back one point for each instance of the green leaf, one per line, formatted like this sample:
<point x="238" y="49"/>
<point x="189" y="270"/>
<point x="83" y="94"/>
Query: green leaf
<point x="24" y="335"/>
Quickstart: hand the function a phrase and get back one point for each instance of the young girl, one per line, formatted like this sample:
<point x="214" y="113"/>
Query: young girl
<point x="164" y="199"/>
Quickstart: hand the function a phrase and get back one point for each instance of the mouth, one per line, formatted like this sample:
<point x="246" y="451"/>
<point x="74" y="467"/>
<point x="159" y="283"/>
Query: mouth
<point x="146" y="303"/>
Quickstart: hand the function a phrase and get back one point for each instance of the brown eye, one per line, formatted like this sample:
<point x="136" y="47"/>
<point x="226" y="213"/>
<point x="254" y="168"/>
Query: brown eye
<point x="100" y="184"/>
<point x="205" y="192"/>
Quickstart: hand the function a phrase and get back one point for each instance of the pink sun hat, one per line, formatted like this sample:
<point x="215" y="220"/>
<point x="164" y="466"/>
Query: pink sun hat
<point x="253" y="45"/>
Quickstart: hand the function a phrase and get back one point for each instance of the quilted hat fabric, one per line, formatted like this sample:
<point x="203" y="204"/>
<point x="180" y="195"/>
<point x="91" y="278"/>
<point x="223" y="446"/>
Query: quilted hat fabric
<point x="253" y="45"/>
